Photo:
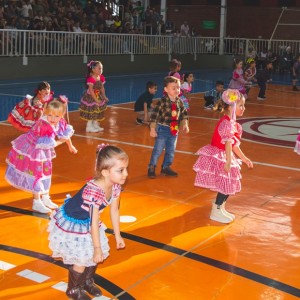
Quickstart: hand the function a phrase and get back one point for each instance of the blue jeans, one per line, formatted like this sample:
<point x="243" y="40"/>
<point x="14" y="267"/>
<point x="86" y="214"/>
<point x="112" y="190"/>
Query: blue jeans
<point x="164" y="140"/>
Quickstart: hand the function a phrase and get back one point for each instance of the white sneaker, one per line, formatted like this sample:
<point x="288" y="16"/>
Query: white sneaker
<point x="261" y="98"/>
<point x="48" y="202"/>
<point x="227" y="213"/>
<point x="218" y="215"/>
<point x="39" y="206"/>
<point x="97" y="126"/>
<point x="90" y="127"/>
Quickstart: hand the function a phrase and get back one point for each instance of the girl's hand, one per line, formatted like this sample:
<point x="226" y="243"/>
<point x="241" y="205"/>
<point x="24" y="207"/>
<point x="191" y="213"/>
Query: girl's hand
<point x="227" y="167"/>
<point x="153" y="132"/>
<point x="120" y="243"/>
<point x="186" y="128"/>
<point x="249" y="163"/>
<point x="73" y="149"/>
<point x="98" y="255"/>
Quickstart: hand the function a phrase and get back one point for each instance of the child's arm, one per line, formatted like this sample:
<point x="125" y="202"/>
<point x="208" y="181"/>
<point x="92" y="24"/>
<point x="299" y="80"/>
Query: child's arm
<point x="92" y="93"/>
<point x="115" y="220"/>
<point x="103" y="95"/>
<point x="98" y="254"/>
<point x="71" y="147"/>
<point x="145" y="112"/>
<point x="228" y="150"/>
<point x="242" y="156"/>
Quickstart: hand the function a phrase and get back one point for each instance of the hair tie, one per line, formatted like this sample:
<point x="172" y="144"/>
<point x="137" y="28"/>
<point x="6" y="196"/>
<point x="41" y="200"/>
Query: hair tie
<point x="230" y="97"/>
<point x="101" y="146"/>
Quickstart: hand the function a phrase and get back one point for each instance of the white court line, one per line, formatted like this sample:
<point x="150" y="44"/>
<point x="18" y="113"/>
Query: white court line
<point x="6" y="266"/>
<point x="177" y="151"/>
<point x="34" y="276"/>
<point x="60" y="286"/>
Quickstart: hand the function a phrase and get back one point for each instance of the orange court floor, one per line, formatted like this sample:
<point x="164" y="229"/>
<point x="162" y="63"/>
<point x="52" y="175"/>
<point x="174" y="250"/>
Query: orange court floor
<point x="173" y="250"/>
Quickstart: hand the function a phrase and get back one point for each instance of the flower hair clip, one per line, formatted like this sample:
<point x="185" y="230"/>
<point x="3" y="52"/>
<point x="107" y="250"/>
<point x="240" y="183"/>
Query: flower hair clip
<point x="231" y="96"/>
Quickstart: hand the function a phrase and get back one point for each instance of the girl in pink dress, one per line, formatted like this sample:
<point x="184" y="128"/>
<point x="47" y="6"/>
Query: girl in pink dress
<point x="186" y="88"/>
<point x="217" y="167"/>
<point x="29" y="162"/>
<point x="238" y="81"/>
<point x="297" y="146"/>
<point x="93" y="101"/>
<point x="28" y="111"/>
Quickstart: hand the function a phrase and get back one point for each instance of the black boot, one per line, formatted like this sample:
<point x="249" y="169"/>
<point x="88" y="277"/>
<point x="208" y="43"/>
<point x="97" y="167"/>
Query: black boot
<point x="167" y="171"/>
<point x="89" y="284"/>
<point x="75" y="286"/>
<point x="151" y="172"/>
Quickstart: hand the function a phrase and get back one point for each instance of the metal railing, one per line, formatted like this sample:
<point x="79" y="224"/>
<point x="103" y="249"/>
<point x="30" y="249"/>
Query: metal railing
<point x="51" y="43"/>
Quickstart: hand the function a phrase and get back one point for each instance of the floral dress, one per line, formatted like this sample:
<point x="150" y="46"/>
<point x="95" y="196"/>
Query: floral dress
<point x="209" y="167"/>
<point x="70" y="226"/>
<point x="29" y="162"/>
<point x="25" y="114"/>
<point x="89" y="109"/>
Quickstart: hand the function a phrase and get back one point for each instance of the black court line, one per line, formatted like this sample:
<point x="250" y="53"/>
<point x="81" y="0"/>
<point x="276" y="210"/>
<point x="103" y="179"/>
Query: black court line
<point x="203" y="259"/>
<point x="99" y="280"/>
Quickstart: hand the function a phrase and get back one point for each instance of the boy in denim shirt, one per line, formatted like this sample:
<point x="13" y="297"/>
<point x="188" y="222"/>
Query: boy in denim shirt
<point x="164" y="126"/>
<point x="211" y="97"/>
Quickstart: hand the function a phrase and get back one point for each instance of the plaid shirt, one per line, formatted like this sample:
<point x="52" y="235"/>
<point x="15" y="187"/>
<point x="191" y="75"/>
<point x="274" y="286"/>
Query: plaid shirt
<point x="162" y="112"/>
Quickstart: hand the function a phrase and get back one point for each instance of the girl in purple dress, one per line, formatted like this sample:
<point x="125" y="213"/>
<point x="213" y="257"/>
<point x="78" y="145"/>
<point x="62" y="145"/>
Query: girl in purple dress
<point x="238" y="81"/>
<point x="29" y="162"/>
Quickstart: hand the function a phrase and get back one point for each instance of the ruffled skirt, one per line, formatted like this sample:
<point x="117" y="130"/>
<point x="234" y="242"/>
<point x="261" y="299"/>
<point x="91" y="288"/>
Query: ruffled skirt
<point x="90" y="110"/>
<point x="24" y="115"/>
<point x="71" y="240"/>
<point x="297" y="146"/>
<point x="210" y="172"/>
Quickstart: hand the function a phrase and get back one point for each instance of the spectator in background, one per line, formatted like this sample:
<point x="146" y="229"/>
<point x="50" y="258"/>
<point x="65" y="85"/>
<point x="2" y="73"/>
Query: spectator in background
<point x="185" y="29"/>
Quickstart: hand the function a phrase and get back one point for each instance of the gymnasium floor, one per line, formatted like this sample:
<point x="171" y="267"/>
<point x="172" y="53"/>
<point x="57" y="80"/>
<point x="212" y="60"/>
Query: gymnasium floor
<point x="173" y="250"/>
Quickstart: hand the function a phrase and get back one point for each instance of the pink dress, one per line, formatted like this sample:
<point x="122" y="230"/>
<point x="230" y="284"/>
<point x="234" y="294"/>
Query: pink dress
<point x="238" y="82"/>
<point x="297" y="146"/>
<point x="29" y="162"/>
<point x="187" y="88"/>
<point x="209" y="167"/>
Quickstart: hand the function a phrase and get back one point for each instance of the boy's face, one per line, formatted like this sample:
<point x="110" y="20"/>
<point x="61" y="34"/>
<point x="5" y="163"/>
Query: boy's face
<point x="153" y="90"/>
<point x="172" y="89"/>
<point x="220" y="87"/>
<point x="269" y="66"/>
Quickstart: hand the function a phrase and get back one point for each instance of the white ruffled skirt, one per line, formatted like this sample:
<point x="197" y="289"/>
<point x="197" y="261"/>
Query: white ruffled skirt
<point x="71" y="240"/>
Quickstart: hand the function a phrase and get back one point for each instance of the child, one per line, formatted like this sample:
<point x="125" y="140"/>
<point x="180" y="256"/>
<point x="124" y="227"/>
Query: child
<point x="75" y="232"/>
<point x="186" y="89"/>
<point x="28" y="111"/>
<point x="212" y="97"/>
<point x="238" y="81"/>
<point x="250" y="73"/>
<point x="143" y="105"/>
<point x="93" y="101"/>
<point x="217" y="168"/>
<point x="296" y="73"/>
<point x="263" y="77"/>
<point x="29" y="162"/>
<point x="297" y="146"/>
<point x="164" y="126"/>
<point x="175" y="67"/>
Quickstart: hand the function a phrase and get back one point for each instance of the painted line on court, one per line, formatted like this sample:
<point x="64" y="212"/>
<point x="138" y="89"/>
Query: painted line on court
<point x="174" y="250"/>
<point x="99" y="280"/>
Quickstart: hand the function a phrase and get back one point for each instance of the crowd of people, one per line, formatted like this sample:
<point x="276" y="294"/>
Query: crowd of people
<point x="74" y="16"/>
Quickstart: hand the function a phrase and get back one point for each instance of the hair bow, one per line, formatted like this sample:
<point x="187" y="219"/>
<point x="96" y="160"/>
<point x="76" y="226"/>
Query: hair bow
<point x="63" y="99"/>
<point x="90" y="64"/>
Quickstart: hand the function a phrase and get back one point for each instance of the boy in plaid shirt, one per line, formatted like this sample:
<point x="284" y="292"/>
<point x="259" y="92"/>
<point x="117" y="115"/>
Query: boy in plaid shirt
<point x="164" y="126"/>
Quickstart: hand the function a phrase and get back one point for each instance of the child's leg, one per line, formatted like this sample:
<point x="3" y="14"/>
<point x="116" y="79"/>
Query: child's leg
<point x="38" y="205"/>
<point x="48" y="202"/>
<point x="217" y="214"/>
<point x="232" y="216"/>
<point x="76" y="282"/>
<point x="169" y="155"/>
<point x="89" y="285"/>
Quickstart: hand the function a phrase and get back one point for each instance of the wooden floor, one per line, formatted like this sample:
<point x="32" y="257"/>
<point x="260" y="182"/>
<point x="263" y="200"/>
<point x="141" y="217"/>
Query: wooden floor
<point x="173" y="250"/>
